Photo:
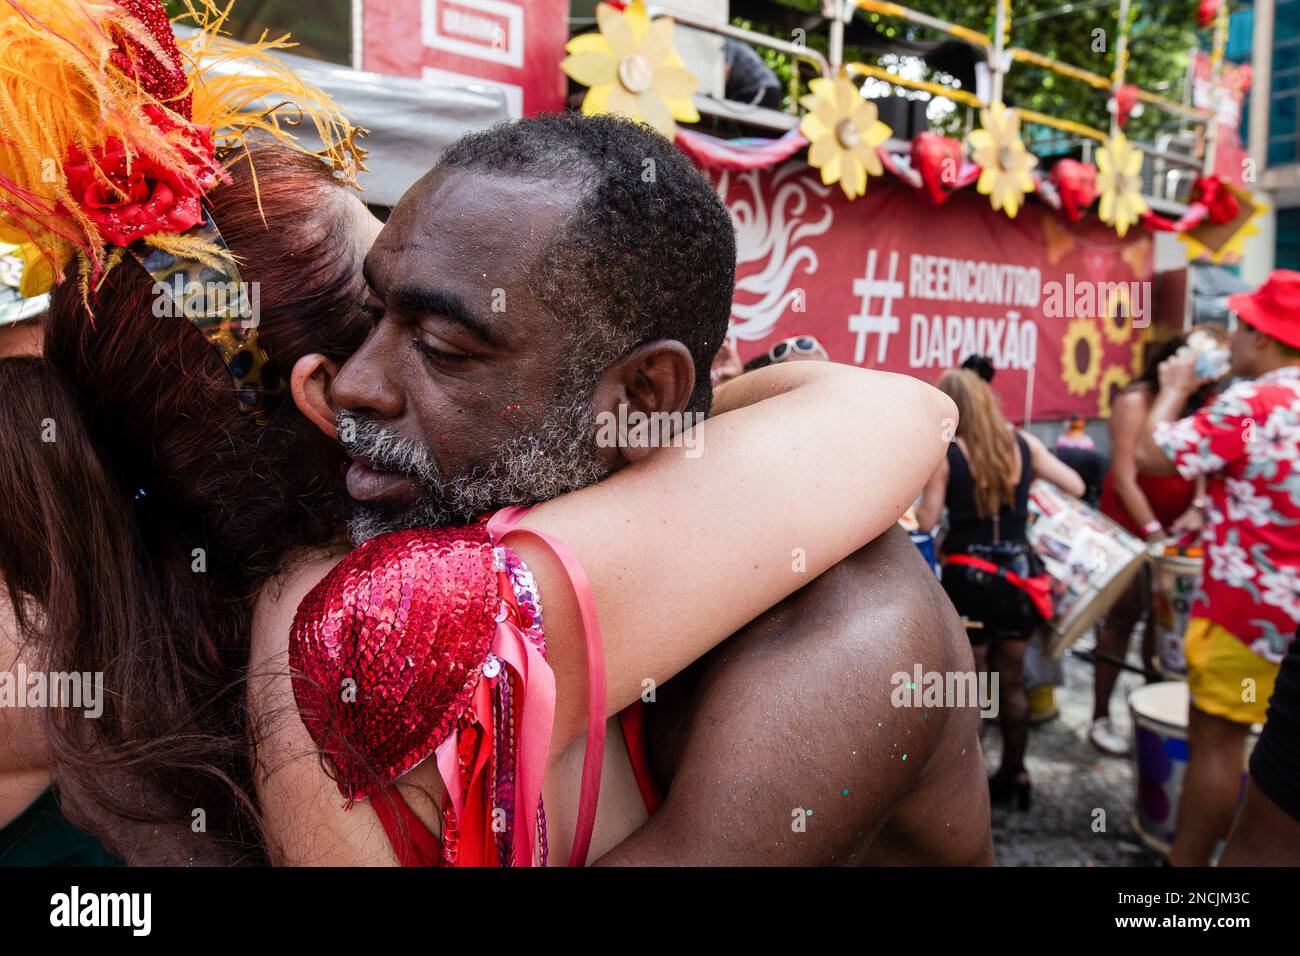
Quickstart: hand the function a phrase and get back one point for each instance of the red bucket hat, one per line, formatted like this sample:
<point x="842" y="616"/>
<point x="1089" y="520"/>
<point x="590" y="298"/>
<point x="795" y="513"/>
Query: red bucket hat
<point x="1273" y="308"/>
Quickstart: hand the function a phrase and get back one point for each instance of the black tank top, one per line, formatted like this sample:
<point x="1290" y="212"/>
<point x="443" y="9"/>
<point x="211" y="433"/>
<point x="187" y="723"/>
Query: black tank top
<point x="966" y="527"/>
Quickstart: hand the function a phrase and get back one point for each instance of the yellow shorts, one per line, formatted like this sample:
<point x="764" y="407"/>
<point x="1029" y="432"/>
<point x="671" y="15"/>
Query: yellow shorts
<point x="1225" y="677"/>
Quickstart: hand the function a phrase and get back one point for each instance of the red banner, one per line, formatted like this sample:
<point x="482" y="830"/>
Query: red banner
<point x="889" y="281"/>
<point x="513" y="45"/>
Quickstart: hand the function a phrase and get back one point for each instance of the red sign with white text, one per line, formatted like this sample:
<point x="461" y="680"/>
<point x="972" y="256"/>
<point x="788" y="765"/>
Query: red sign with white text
<point x="888" y="281"/>
<point x="513" y="45"/>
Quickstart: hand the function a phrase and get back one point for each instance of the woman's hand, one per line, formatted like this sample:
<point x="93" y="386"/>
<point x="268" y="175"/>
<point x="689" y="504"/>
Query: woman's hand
<point x="1191" y="521"/>
<point x="1178" y="373"/>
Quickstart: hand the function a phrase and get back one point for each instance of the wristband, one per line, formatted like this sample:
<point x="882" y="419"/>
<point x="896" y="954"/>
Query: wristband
<point x="1151" y="528"/>
<point x="1198" y="504"/>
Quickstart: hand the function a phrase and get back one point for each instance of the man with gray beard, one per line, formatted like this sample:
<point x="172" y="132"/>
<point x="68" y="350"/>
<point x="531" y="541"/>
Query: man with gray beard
<point x="551" y="271"/>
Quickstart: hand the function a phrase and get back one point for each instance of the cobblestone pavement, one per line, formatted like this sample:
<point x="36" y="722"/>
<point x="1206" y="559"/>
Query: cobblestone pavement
<point x="1071" y="780"/>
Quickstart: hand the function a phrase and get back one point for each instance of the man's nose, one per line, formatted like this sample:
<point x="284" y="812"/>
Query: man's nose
<point x="367" y="380"/>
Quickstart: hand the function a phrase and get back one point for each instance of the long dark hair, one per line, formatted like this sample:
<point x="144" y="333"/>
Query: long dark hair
<point x="1155" y="354"/>
<point x="135" y="541"/>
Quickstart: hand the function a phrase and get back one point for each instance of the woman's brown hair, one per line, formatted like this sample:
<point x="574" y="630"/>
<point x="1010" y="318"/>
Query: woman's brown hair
<point x="135" y="541"/>
<point x="989" y="445"/>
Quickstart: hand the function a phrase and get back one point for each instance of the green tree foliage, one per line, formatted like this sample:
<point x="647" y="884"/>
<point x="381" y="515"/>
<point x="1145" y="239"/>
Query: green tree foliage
<point x="1160" y="38"/>
<point x="321" y="28"/>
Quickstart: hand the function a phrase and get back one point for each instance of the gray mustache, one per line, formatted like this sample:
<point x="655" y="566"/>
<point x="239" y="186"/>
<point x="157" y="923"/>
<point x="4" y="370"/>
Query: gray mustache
<point x="385" y="449"/>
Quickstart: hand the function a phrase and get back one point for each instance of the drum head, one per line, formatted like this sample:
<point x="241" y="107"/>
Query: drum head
<point x="1165" y="703"/>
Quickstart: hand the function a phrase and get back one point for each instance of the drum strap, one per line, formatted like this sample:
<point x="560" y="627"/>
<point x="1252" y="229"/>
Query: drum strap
<point x="1038" y="588"/>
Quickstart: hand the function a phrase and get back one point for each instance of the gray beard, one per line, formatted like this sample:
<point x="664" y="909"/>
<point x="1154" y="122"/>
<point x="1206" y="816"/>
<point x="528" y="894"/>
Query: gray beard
<point x="557" y="456"/>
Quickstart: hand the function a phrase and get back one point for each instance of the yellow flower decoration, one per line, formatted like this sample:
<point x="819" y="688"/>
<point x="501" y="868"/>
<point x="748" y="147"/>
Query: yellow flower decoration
<point x="1113" y="381"/>
<point x="844" y="131"/>
<point x="29" y="269"/>
<point x="1005" y="165"/>
<point x="1080" y="378"/>
<point x="632" y="70"/>
<point x="1116" y="321"/>
<point x="1119" y="180"/>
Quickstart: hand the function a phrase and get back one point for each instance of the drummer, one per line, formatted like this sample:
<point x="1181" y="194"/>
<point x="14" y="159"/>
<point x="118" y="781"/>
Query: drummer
<point x="1148" y="507"/>
<point x="1246" y="442"/>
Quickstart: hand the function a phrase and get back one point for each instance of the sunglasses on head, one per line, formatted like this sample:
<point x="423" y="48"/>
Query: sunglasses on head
<point x="801" y="344"/>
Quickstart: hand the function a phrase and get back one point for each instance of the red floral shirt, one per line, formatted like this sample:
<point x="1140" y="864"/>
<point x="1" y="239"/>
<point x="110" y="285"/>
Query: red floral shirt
<point x="1247" y="444"/>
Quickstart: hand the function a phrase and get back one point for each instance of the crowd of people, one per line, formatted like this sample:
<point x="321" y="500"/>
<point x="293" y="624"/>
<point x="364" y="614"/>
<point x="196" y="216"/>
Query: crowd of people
<point x="1193" y="461"/>
<point x="355" y="579"/>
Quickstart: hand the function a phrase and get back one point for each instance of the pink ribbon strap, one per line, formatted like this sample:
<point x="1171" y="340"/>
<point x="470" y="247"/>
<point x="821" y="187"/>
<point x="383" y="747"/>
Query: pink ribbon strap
<point x="506" y="522"/>
<point x="538" y="713"/>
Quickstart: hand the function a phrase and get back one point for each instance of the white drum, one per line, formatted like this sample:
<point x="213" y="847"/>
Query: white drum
<point x="1159" y="713"/>
<point x="1090" y="558"/>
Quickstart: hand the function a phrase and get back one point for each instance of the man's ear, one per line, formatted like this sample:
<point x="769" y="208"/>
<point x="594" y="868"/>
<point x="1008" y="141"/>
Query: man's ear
<point x="309" y="383"/>
<point x="656" y="377"/>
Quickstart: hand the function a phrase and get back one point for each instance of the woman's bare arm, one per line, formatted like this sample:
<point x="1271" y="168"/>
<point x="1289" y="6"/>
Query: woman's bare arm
<point x="809" y="462"/>
<point x="933" y="498"/>
<point x="1127" y="418"/>
<point x="1050" y="468"/>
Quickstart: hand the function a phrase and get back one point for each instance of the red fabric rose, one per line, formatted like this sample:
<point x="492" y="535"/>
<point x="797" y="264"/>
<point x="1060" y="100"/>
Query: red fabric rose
<point x="130" y="200"/>
<point x="1217" y="198"/>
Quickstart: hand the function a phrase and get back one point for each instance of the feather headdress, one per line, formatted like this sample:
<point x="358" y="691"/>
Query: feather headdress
<point x="111" y="130"/>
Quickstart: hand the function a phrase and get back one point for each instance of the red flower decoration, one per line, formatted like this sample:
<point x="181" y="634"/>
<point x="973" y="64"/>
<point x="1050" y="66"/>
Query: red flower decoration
<point x="132" y="196"/>
<point x="1220" y="203"/>
<point x="1125" y="101"/>
<point x="164" y="79"/>
<point x="1206" y="11"/>
<point x="1076" y="183"/>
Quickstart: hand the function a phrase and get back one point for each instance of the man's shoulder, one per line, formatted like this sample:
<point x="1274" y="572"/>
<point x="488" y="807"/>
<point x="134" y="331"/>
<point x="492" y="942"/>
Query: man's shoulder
<point x="886" y="589"/>
<point x="1253" y="395"/>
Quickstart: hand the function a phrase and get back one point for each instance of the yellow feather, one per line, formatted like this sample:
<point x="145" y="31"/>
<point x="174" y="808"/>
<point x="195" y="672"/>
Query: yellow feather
<point x="188" y="247"/>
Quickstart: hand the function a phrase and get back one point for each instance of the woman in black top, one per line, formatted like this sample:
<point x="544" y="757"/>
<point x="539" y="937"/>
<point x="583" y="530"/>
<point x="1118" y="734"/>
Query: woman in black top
<point x="984" y="482"/>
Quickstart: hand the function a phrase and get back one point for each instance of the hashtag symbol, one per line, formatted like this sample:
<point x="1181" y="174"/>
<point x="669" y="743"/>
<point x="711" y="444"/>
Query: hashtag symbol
<point x="884" y="323"/>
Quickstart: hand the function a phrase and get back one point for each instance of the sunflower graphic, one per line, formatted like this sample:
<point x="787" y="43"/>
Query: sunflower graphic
<point x="1116" y="321"/>
<point x="1113" y="381"/>
<point x="1081" y="357"/>
<point x="632" y="70"/>
<point x="1138" y="360"/>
